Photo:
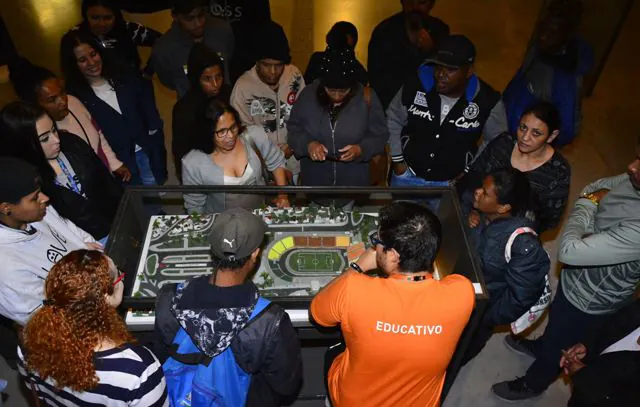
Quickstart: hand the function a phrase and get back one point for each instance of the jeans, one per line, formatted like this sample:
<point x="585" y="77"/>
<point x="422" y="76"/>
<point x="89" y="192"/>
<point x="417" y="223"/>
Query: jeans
<point x="410" y="179"/>
<point x="567" y="326"/>
<point x="153" y="207"/>
<point x="144" y="167"/>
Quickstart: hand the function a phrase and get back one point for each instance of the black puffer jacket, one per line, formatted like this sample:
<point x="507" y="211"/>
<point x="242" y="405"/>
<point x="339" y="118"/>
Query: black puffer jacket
<point x="267" y="346"/>
<point x="103" y="192"/>
<point x="515" y="286"/>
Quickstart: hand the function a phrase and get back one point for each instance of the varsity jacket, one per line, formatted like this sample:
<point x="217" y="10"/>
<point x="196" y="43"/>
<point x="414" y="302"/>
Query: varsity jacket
<point x="600" y="247"/>
<point x="258" y="104"/>
<point x="435" y="149"/>
<point x="267" y="347"/>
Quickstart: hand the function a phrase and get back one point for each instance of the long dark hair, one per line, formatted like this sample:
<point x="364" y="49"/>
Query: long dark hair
<point x="209" y="120"/>
<point x="19" y="136"/>
<point x="27" y="79"/>
<point x="119" y="30"/>
<point x="74" y="78"/>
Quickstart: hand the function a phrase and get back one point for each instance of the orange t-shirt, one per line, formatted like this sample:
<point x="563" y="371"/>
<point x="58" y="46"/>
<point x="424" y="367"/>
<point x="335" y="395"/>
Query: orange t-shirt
<point x="400" y="337"/>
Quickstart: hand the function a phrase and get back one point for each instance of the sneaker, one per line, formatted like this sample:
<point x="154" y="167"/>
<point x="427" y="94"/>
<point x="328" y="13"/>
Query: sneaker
<point x="514" y="390"/>
<point x="519" y="345"/>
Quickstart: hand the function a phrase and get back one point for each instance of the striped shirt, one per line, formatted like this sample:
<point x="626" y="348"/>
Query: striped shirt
<point x="127" y="376"/>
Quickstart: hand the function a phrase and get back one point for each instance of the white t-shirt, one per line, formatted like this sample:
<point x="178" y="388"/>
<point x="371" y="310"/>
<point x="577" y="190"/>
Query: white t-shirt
<point x="628" y="343"/>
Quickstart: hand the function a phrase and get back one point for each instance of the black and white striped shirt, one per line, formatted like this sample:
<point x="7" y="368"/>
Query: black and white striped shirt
<point x="127" y="376"/>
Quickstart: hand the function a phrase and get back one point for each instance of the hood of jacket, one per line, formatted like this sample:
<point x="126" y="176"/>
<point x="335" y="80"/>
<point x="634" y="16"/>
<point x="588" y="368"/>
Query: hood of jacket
<point x="9" y="235"/>
<point x="212" y="326"/>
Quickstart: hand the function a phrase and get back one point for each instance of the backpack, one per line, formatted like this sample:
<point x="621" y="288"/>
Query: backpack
<point x="197" y="380"/>
<point x="535" y="312"/>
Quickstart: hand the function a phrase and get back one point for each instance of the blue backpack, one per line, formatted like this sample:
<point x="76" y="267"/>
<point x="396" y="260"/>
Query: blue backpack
<point x="197" y="380"/>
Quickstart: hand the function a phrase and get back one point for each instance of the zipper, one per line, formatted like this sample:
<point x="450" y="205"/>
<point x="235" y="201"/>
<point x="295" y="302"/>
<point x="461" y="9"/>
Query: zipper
<point x="333" y="142"/>
<point x="277" y="100"/>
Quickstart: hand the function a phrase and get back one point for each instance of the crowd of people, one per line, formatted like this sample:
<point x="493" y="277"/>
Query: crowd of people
<point x="419" y="116"/>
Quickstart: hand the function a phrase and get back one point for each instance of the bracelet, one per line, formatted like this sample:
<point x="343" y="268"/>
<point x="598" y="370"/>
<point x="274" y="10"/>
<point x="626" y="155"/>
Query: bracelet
<point x="591" y="197"/>
<point x="356" y="267"/>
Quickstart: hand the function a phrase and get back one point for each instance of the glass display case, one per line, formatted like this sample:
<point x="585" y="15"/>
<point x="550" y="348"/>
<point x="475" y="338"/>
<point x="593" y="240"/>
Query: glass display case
<point x="306" y="246"/>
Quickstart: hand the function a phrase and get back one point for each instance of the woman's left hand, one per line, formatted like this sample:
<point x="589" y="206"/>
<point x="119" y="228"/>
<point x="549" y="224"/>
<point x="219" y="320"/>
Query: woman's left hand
<point x="350" y="152"/>
<point x="124" y="173"/>
<point x="282" y="201"/>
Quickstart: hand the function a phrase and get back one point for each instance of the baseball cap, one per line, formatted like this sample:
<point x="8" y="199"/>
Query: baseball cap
<point x="236" y="233"/>
<point x="454" y="51"/>
<point x="18" y="179"/>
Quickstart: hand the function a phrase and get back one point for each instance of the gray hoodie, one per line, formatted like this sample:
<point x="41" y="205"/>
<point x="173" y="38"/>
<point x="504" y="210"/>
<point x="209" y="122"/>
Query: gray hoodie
<point x="27" y="257"/>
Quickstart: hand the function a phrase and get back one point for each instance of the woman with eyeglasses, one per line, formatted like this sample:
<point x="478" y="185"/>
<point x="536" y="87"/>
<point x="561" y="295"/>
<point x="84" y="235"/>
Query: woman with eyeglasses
<point x="337" y="125"/>
<point x="76" y="348"/>
<point x="229" y="153"/>
<point x="80" y="187"/>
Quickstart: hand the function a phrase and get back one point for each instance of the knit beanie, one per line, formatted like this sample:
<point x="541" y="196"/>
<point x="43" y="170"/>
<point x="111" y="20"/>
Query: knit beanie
<point x="338" y="68"/>
<point x="271" y="43"/>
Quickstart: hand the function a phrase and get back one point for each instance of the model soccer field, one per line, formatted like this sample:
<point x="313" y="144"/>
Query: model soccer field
<point x="315" y="262"/>
<point x="305" y="248"/>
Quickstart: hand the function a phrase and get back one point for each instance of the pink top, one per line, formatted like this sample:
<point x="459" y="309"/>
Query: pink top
<point x="80" y="123"/>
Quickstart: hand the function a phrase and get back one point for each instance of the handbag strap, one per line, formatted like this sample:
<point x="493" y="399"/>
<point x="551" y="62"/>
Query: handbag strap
<point x="512" y="238"/>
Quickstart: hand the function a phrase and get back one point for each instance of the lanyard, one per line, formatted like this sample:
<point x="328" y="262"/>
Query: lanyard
<point x="72" y="182"/>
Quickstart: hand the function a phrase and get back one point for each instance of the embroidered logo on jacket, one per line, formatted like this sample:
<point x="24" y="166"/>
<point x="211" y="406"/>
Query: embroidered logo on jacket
<point x="472" y="111"/>
<point x="420" y="99"/>
<point x="425" y="114"/>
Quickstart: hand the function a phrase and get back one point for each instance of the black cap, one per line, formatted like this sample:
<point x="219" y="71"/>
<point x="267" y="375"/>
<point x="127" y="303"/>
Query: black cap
<point x="236" y="233"/>
<point x="454" y="51"/>
<point x="18" y="179"/>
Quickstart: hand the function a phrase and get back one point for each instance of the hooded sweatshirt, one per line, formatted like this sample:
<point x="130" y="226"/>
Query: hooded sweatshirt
<point x="216" y="318"/>
<point x="171" y="52"/>
<point x="28" y="255"/>
<point x="258" y="104"/>
<point x="188" y="112"/>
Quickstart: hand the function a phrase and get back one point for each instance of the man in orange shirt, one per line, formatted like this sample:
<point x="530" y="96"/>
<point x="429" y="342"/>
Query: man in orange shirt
<point x="400" y="331"/>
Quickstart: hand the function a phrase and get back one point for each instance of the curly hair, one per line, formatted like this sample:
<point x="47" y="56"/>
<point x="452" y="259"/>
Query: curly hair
<point x="60" y="338"/>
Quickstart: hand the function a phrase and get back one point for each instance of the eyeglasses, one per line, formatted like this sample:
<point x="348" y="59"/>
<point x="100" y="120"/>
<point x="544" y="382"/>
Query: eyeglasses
<point x="225" y="133"/>
<point x="120" y="277"/>
<point x="374" y="238"/>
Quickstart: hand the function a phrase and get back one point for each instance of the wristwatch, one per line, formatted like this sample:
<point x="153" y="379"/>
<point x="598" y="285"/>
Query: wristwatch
<point x="356" y="267"/>
<point x="591" y="197"/>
